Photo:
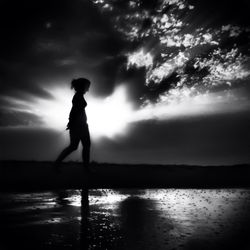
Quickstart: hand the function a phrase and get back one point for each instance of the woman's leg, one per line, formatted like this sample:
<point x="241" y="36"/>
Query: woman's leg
<point x="85" y="139"/>
<point x="74" y="142"/>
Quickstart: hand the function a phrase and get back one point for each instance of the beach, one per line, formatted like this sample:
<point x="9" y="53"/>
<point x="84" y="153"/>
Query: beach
<point x="124" y="219"/>
<point x="124" y="207"/>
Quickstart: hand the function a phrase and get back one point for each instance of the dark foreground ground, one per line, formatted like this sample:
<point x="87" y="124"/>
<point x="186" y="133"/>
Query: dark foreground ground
<point x="42" y="175"/>
<point x="124" y="207"/>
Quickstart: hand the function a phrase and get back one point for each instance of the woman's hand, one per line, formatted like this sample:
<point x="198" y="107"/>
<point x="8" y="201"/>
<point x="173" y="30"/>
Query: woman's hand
<point x="67" y="128"/>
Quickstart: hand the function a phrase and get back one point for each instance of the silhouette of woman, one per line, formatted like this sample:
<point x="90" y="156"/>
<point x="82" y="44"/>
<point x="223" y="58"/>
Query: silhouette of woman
<point x="78" y="127"/>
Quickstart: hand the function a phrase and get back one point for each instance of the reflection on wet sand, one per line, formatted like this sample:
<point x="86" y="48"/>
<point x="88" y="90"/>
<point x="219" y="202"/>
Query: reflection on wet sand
<point x="138" y="221"/>
<point x="126" y="219"/>
<point x="85" y="226"/>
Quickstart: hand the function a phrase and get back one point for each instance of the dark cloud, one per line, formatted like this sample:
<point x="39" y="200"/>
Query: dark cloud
<point x="47" y="43"/>
<point x="222" y="139"/>
<point x="106" y="75"/>
<point x="17" y="119"/>
<point x="135" y="81"/>
<point x="143" y="27"/>
<point x="222" y="12"/>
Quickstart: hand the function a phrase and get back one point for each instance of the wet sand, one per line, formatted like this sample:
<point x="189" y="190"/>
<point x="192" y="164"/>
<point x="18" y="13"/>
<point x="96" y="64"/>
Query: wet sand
<point x="145" y="207"/>
<point x="126" y="219"/>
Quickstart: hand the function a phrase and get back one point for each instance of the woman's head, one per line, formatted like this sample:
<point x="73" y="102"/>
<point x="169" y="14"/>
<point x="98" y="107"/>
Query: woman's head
<point x="80" y="84"/>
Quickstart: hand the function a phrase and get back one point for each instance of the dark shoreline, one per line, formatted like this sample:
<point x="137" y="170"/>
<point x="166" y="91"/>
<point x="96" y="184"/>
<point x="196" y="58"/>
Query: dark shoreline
<point x="32" y="175"/>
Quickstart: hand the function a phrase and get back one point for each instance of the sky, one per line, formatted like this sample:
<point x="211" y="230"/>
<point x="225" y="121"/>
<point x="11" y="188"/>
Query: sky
<point x="169" y="79"/>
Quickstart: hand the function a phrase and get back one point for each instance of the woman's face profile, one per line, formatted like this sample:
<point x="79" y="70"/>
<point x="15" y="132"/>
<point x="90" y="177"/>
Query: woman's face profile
<point x="86" y="89"/>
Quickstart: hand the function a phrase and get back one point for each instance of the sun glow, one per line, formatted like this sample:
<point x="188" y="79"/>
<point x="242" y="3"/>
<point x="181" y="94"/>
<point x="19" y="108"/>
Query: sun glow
<point x="112" y="116"/>
<point x="109" y="116"/>
<point x="106" y="116"/>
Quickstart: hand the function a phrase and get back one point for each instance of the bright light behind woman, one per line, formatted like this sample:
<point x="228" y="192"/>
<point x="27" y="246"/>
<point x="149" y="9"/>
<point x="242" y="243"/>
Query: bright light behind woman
<point x="107" y="117"/>
<point x="77" y="125"/>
